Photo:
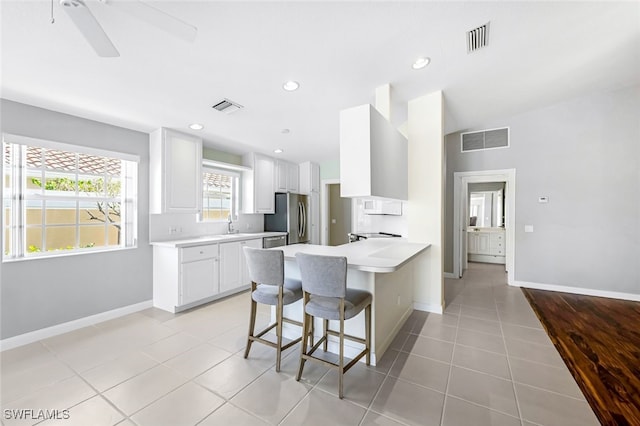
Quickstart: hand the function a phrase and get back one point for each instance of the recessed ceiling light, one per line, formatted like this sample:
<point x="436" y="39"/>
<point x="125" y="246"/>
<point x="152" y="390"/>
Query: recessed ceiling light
<point x="420" y="63"/>
<point x="196" y="126"/>
<point x="285" y="131"/>
<point x="278" y="151"/>
<point x="291" y="85"/>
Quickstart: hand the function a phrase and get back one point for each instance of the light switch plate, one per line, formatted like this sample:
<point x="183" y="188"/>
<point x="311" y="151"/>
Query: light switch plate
<point x="528" y="228"/>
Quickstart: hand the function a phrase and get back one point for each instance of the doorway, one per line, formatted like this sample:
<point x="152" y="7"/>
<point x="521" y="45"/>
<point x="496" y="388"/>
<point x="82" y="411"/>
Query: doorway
<point x="339" y="216"/>
<point x="336" y="214"/>
<point x="462" y="181"/>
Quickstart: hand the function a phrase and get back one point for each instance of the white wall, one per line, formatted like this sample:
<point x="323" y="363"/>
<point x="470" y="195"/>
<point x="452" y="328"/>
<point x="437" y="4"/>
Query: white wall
<point x="41" y="293"/>
<point x="584" y="154"/>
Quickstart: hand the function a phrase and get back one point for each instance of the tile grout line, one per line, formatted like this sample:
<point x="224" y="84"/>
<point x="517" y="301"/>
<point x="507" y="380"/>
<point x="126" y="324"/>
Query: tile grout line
<point x="484" y="407"/>
<point x="453" y="352"/>
<point x="98" y="393"/>
<point x="386" y="377"/>
<point x="513" y="382"/>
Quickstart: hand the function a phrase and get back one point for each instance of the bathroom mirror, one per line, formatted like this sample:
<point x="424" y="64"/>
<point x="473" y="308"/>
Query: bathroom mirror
<point x="486" y="209"/>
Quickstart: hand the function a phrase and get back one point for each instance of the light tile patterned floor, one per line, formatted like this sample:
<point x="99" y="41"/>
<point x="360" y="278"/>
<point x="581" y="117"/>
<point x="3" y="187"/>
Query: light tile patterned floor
<point x="486" y="361"/>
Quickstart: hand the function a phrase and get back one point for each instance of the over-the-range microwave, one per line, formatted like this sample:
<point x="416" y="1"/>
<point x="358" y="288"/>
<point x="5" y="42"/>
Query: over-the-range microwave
<point x="393" y="208"/>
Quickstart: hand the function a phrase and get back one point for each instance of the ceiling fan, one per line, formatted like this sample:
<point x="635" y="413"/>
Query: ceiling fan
<point x="90" y="28"/>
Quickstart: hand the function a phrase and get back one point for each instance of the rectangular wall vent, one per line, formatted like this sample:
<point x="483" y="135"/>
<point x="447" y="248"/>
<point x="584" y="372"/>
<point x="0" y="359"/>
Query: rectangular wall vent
<point x="485" y="139"/>
<point x="227" y="106"/>
<point x="478" y="38"/>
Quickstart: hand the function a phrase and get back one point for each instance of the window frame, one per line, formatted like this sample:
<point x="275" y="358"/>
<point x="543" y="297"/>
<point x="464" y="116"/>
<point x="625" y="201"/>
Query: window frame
<point x="236" y="194"/>
<point x="128" y="199"/>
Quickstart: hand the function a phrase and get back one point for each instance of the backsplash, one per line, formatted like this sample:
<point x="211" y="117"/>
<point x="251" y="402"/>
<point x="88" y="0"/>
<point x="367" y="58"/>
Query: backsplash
<point x="163" y="227"/>
<point x="380" y="223"/>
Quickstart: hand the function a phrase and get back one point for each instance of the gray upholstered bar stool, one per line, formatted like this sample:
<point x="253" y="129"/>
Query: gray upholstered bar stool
<point x="270" y="287"/>
<point x="326" y="296"/>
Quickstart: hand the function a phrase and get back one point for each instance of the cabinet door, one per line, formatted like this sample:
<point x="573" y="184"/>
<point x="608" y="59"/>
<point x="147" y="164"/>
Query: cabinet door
<point x="198" y="280"/>
<point x="264" y="169"/>
<point x="472" y="243"/>
<point x="315" y="177"/>
<point x="257" y="243"/>
<point x="183" y="187"/>
<point x="282" y="176"/>
<point x="230" y="266"/>
<point x="484" y="243"/>
<point x="292" y="178"/>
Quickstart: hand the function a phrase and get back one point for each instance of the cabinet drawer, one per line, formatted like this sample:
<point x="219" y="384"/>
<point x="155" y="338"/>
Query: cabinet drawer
<point x="191" y="254"/>
<point x="497" y="237"/>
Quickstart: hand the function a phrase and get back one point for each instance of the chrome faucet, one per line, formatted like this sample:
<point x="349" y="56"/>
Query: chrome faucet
<point x="229" y="225"/>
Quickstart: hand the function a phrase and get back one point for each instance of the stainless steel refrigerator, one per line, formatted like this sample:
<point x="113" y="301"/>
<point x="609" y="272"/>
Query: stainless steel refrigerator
<point x="291" y="216"/>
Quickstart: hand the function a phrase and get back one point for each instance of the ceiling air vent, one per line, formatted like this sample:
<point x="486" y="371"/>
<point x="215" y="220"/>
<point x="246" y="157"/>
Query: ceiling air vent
<point x="478" y="38"/>
<point x="485" y="139"/>
<point x="227" y="106"/>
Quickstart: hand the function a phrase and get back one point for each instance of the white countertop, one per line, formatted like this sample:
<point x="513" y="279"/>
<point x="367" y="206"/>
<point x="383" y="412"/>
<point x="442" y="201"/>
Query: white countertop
<point x="370" y="255"/>
<point x="212" y="239"/>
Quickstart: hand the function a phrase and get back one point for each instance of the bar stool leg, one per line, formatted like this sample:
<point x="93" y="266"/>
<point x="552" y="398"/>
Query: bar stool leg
<point x="306" y="318"/>
<point x="252" y="320"/>
<point x="279" y="309"/>
<point x="325" y="327"/>
<point x="367" y="330"/>
<point x="341" y="360"/>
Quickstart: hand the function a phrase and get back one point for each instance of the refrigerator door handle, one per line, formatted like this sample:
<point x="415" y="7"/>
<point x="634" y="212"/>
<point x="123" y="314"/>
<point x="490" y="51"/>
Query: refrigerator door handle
<point x="304" y="220"/>
<point x="300" y="224"/>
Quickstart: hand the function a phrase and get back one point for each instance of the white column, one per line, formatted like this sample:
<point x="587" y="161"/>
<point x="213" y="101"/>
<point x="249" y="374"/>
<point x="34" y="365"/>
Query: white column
<point x="426" y="197"/>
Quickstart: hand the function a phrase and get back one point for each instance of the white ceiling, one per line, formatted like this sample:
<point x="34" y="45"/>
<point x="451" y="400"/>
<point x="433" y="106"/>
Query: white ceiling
<point x="539" y="53"/>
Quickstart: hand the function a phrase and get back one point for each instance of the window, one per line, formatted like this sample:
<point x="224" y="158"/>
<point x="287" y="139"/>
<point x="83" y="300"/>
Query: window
<point x="220" y="194"/>
<point x="63" y="199"/>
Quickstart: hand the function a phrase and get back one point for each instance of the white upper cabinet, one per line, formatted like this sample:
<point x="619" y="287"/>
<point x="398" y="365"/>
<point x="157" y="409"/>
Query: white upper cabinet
<point x="373" y="156"/>
<point x="286" y="177"/>
<point x="293" y="178"/>
<point x="309" y="177"/>
<point x="175" y="172"/>
<point x="258" y="184"/>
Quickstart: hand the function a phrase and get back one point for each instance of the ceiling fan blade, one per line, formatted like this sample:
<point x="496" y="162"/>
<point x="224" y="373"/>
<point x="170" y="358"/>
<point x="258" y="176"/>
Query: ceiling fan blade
<point x="155" y="17"/>
<point x="89" y="27"/>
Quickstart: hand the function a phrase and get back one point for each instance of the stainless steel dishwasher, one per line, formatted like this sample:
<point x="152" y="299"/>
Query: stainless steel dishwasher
<point x="280" y="240"/>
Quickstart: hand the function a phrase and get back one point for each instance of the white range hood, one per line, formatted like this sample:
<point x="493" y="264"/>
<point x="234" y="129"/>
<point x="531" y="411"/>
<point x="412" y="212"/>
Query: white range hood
<point x="373" y="156"/>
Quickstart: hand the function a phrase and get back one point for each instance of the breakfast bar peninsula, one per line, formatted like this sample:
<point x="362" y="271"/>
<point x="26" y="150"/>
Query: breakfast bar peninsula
<point x="385" y="268"/>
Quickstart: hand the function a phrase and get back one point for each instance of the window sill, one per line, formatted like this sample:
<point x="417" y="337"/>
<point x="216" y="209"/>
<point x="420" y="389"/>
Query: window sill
<point x="58" y="255"/>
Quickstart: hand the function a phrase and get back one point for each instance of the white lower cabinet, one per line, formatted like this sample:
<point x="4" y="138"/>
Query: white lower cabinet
<point x="189" y="276"/>
<point x="245" y="270"/>
<point x="182" y="277"/>
<point x="486" y="245"/>
<point x="230" y="265"/>
<point x="198" y="280"/>
<point x="233" y="267"/>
